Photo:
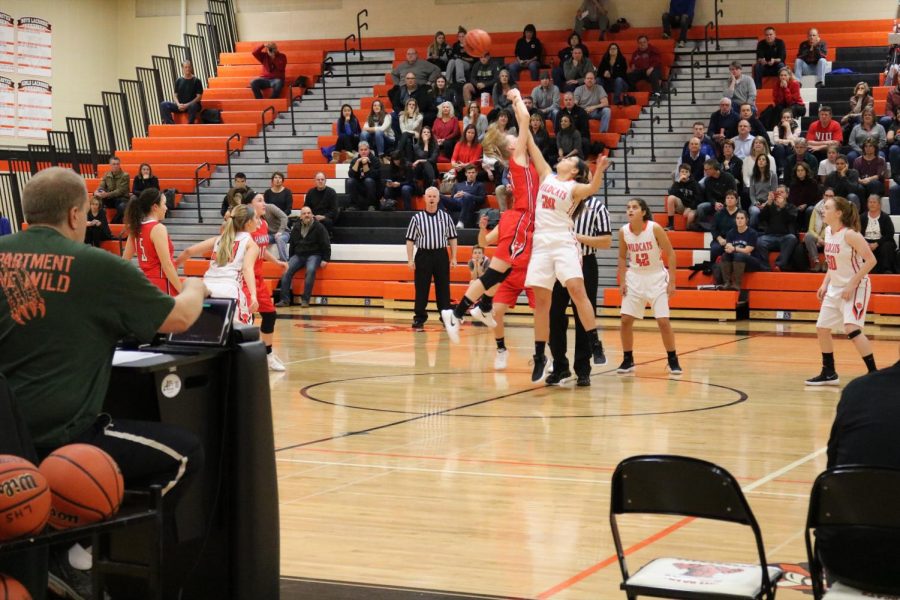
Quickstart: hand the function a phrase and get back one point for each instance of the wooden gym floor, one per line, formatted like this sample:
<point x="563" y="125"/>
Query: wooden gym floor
<point x="408" y="468"/>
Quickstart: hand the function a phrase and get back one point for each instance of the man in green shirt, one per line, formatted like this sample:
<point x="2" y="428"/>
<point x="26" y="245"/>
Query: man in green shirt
<point x="63" y="308"/>
<point x="113" y="189"/>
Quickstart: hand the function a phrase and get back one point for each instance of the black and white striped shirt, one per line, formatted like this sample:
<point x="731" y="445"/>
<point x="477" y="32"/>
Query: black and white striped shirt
<point x="431" y="231"/>
<point x="593" y="221"/>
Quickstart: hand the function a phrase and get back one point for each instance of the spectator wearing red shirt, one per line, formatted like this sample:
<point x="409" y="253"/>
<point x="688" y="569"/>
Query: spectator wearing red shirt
<point x="823" y="132"/>
<point x="273" y="65"/>
<point x="646" y="65"/>
<point x="467" y="153"/>
<point x="785" y="96"/>
<point x="445" y="130"/>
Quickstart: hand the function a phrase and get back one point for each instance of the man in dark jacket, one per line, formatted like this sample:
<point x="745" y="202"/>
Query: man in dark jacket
<point x="364" y="180"/>
<point x="771" y="56"/>
<point x="322" y="200"/>
<point x="309" y="248"/>
<point x="715" y="185"/>
<point x="408" y="89"/>
<point x="580" y="120"/>
<point x="779" y="219"/>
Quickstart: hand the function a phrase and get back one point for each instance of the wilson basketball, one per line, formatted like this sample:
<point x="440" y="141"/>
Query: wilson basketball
<point x="477" y="43"/>
<point x="86" y="485"/>
<point x="24" y="498"/>
<point x="11" y="589"/>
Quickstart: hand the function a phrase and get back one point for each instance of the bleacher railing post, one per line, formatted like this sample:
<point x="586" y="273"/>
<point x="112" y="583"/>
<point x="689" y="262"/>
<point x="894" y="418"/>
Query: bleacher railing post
<point x="264" y="125"/>
<point x="672" y="92"/>
<point x="327" y="73"/>
<point x="653" y="120"/>
<point x="359" y="27"/>
<point x="197" y="181"/>
<point x="694" y="65"/>
<point x="626" y="150"/>
<point x="229" y="151"/>
<point x="718" y="13"/>
<point x="706" y="45"/>
<point x="347" y="52"/>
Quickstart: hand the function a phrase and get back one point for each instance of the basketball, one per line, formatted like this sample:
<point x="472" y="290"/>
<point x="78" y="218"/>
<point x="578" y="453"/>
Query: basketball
<point x="478" y="43"/>
<point x="10" y="589"/>
<point x="86" y="485"/>
<point x="24" y="498"/>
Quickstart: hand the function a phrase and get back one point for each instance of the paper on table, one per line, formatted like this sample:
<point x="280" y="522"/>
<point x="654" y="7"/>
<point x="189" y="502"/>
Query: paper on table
<point x="123" y="357"/>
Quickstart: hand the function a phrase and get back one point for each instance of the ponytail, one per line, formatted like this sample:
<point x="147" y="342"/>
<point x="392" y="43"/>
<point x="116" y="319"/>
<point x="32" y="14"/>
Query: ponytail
<point x="140" y="207"/>
<point x="240" y="216"/>
<point x="849" y="213"/>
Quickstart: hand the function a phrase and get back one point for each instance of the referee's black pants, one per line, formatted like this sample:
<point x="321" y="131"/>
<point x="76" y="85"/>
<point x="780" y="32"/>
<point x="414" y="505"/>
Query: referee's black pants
<point x="559" y="322"/>
<point x="431" y="264"/>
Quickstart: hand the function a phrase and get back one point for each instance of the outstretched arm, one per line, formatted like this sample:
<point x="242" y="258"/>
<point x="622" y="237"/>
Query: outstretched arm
<point x="586" y="190"/>
<point x="203" y="248"/>
<point x="526" y="141"/>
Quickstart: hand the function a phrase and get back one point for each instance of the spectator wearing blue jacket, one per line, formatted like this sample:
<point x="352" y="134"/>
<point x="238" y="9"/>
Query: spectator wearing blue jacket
<point x="681" y="15"/>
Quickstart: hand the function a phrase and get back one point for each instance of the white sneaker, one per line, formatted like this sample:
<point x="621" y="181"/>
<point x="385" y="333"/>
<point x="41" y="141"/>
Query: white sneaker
<point x="486" y="318"/>
<point x="459" y="225"/>
<point x="275" y="363"/>
<point x="451" y="324"/>
<point x="501" y="359"/>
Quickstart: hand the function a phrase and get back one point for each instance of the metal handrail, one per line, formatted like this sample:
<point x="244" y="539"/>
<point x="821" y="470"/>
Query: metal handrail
<point x="347" y="51"/>
<point x="672" y="92"/>
<point x="706" y="45"/>
<point x="327" y="73"/>
<point x="301" y="83"/>
<point x="359" y="28"/>
<point x="262" y="119"/>
<point x="694" y="65"/>
<point x="718" y="12"/>
<point x="653" y="120"/>
<point x="229" y="151"/>
<point x="197" y="182"/>
<point x="607" y="183"/>
<point x="625" y="152"/>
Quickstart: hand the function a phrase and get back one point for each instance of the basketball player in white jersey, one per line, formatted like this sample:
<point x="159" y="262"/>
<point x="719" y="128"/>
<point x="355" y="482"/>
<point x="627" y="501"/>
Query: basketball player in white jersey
<point x="233" y="256"/>
<point x="845" y="291"/>
<point x="555" y="253"/>
<point x="643" y="278"/>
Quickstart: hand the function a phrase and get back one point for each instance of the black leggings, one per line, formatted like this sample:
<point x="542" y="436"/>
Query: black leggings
<point x="268" y="322"/>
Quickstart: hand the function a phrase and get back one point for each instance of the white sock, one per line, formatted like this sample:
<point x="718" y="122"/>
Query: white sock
<point x="80" y="558"/>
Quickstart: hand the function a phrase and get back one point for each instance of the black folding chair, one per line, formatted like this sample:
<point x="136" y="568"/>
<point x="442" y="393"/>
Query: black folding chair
<point x="678" y="485"/>
<point x="863" y="502"/>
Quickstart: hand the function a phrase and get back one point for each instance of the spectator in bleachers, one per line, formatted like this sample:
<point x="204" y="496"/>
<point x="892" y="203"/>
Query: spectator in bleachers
<point x="143" y="180"/>
<point x="364" y="180"/>
<point x="698" y="130"/>
<point x="645" y="65"/>
<point x="804" y="193"/>
<point x="542" y="138"/>
<point x="741" y="253"/>
<point x="716" y="184"/>
<point x="592" y="98"/>
<point x="783" y="137"/>
<point x="399" y="96"/>
<point x="274" y="64"/>
<point x="771" y="56"/>
<point x="445" y="130"/>
<point x="410" y="128"/>
<point x="800" y="154"/>
<point x="860" y="100"/>
<point x="893" y="142"/>
<point x="425" y="158"/>
<point x="113" y="188"/>
<point x="743" y="141"/>
<point x="829" y="165"/>
<point x="529" y="54"/>
<point x="822" y="132"/>
<point x="425" y="71"/>
<point x="574" y="70"/>
<point x="866" y="129"/>
<point x="763" y="182"/>
<point x="322" y="201"/>
<point x="546" y="97"/>
<point x="279" y="195"/>
<point x="467" y="153"/>
<point x="482" y="77"/>
<point x="740" y="88"/>
<point x="477" y="119"/>
<point x="478" y="264"/>
<point x="878" y="229"/>
<point x="684" y="196"/>
<point x="399" y="184"/>
<point x="872" y="169"/>
<point x="188" y="92"/>
<point x="844" y="181"/>
<point x="504" y="118"/>
<point x="277" y="223"/>
<point x="592" y="14"/>
<point x="568" y="140"/>
<point x="680" y="15"/>
<point x="757" y="129"/>
<point x="731" y="164"/>
<point x="310" y="248"/>
<point x="785" y="96"/>
<point x="723" y="222"/>
<point x="814" y="240"/>
<point x="460" y="63"/>
<point x="440" y="93"/>
<point x="812" y="58"/>
<point x="348" y="132"/>
<point x="613" y="72"/>
<point x="528" y="101"/>
<point x="97" y="226"/>
<point x="239" y="188"/>
<point x="723" y="123"/>
<point x="757" y="147"/>
<point x="579" y="118"/>
<point x="438" y="51"/>
<point x="779" y="220"/>
<point x="892" y="103"/>
<point x="501" y="88"/>
<point x="694" y="157"/>
<point x="466" y="197"/>
<point x="378" y="130"/>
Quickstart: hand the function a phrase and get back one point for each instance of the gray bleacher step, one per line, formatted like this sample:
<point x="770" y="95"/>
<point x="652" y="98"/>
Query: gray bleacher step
<point x="378" y="54"/>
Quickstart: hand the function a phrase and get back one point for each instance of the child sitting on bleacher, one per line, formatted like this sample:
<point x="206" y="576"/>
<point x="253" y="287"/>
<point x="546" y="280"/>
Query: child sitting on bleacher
<point x="684" y="196"/>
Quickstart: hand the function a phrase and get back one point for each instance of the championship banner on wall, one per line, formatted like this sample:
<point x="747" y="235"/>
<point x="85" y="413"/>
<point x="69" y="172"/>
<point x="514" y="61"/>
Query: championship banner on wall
<point x="34" y="47"/>
<point x="35" y="109"/>
<point x="7" y="43"/>
<point x="7" y="106"/>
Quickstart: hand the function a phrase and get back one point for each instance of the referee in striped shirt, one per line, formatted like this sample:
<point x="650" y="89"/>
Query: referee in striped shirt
<point x="592" y="232"/>
<point x="431" y="231"/>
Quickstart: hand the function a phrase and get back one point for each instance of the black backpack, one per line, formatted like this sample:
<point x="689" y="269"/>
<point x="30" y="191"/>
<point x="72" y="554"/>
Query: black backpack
<point x="210" y="116"/>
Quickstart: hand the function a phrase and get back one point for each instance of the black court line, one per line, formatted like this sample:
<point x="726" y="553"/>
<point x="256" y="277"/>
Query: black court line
<point x="327" y="589"/>
<point x="486" y="400"/>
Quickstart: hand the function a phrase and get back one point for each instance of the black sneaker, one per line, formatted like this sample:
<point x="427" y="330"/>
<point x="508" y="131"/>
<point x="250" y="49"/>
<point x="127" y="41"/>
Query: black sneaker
<point x="66" y="581"/>
<point x="627" y="366"/>
<point x="674" y="367"/>
<point x="584" y="381"/>
<point x="558" y="377"/>
<point x="597" y="351"/>
<point x="540" y="368"/>
<point x="824" y="378"/>
<point x="418" y="325"/>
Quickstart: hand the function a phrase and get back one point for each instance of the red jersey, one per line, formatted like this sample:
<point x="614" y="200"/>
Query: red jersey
<point x="263" y="293"/>
<point x="148" y="259"/>
<point x="524" y="183"/>
<point x="261" y="237"/>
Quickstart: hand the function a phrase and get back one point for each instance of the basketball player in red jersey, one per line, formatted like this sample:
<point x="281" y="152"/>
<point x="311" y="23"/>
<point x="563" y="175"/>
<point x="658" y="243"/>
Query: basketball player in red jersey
<point x="516" y="229"/>
<point x="149" y="239"/>
<point x="263" y="293"/>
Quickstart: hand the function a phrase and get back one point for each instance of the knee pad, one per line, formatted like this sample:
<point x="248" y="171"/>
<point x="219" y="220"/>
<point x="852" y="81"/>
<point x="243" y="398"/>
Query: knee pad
<point x="268" y="322"/>
<point x="492" y="278"/>
<point x="854" y="333"/>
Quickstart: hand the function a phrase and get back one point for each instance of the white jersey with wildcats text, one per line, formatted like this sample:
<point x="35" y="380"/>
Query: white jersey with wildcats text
<point x="553" y="213"/>
<point x="842" y="260"/>
<point x="644" y="253"/>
